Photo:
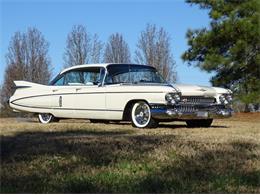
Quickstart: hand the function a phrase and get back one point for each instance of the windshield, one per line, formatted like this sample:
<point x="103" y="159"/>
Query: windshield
<point x="124" y="73"/>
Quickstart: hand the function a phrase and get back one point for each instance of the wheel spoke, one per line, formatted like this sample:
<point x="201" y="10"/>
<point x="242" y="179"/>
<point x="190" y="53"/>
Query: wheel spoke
<point x="139" y="119"/>
<point x="142" y="114"/>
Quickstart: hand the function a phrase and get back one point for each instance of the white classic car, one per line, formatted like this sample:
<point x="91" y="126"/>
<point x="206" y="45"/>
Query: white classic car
<point x="122" y="92"/>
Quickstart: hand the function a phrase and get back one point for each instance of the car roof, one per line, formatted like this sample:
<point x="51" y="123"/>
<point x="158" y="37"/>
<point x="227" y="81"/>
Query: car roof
<point x="95" y="65"/>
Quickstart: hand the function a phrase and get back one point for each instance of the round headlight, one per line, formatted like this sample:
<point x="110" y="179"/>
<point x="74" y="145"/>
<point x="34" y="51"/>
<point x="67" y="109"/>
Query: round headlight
<point x="172" y="98"/>
<point x="222" y="99"/>
<point x="229" y="98"/>
<point x="168" y="97"/>
<point x="177" y="97"/>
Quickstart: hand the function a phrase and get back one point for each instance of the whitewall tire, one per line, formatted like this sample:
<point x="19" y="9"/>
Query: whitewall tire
<point x="45" y="118"/>
<point x="141" y="116"/>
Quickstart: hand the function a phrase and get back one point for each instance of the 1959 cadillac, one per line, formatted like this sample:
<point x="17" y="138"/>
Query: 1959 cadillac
<point x="127" y="92"/>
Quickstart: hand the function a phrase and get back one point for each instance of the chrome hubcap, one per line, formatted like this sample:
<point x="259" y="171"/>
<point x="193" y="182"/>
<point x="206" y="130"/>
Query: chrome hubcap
<point x="142" y="114"/>
<point x="46" y="117"/>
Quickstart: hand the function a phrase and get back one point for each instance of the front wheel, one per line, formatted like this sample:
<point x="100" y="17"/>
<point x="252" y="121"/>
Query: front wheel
<point x="47" y="118"/>
<point x="141" y="116"/>
<point x="199" y="123"/>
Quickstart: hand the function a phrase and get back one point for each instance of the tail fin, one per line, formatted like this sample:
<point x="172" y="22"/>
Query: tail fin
<point x="25" y="84"/>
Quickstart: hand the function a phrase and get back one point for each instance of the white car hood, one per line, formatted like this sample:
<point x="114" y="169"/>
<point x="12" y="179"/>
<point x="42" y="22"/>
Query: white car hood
<point x="197" y="90"/>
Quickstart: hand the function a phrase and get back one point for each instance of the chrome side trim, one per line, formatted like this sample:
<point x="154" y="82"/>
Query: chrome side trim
<point x="58" y="108"/>
<point x="59" y="94"/>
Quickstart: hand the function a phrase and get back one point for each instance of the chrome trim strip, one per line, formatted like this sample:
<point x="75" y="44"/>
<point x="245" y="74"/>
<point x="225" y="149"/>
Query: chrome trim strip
<point x="20" y="87"/>
<point x="59" y="94"/>
<point x="56" y="108"/>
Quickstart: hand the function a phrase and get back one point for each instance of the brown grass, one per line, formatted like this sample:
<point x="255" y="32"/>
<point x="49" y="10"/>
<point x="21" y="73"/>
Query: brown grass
<point x="76" y="156"/>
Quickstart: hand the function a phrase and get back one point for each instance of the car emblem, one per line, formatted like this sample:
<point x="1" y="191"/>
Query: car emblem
<point x="202" y="89"/>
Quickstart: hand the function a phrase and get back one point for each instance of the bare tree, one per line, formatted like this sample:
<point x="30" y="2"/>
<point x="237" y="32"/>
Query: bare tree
<point x="153" y="48"/>
<point x="17" y="55"/>
<point x="27" y="59"/>
<point x="78" y="48"/>
<point x="11" y="73"/>
<point x="37" y="60"/>
<point x="1" y="106"/>
<point x="117" y="50"/>
<point x="97" y="47"/>
<point x="81" y="47"/>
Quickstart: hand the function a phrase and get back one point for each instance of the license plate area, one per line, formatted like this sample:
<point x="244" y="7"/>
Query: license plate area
<point x="202" y="114"/>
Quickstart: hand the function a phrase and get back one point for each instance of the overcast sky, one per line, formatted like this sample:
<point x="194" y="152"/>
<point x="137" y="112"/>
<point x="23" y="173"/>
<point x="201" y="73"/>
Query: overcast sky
<point x="56" y="18"/>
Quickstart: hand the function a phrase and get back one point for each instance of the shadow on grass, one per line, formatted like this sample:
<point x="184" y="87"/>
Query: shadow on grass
<point x="97" y="147"/>
<point x="170" y="125"/>
<point x="119" y="123"/>
<point x="174" y="126"/>
<point x="118" y="162"/>
<point x="212" y="171"/>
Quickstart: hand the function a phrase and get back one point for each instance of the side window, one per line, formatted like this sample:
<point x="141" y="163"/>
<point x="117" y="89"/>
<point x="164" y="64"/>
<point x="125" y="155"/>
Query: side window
<point x="118" y="74"/>
<point x="93" y="75"/>
<point x="74" y="78"/>
<point x="121" y="78"/>
<point x="90" y="77"/>
<point x="59" y="82"/>
<point x="142" y="75"/>
<point x="87" y="76"/>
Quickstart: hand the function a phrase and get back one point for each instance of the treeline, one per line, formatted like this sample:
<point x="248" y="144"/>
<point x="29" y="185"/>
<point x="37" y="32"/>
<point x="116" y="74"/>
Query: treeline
<point x="27" y="57"/>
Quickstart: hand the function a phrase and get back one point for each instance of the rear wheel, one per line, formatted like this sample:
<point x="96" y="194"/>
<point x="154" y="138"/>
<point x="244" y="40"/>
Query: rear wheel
<point x="199" y="123"/>
<point x="141" y="116"/>
<point x="47" y="118"/>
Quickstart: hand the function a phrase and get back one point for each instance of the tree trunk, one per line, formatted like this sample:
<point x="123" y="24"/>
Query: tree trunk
<point x="247" y="108"/>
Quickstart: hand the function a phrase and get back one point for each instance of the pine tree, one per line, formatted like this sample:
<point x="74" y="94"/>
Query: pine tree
<point x="230" y="47"/>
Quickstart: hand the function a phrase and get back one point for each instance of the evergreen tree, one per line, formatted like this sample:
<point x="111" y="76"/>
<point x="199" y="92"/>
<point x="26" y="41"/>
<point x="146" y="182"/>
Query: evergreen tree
<point x="229" y="47"/>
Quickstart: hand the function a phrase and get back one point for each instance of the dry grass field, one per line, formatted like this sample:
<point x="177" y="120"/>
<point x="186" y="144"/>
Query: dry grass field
<point x="75" y="156"/>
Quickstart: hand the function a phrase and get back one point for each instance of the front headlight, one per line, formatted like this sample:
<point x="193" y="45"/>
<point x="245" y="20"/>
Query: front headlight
<point x="177" y="97"/>
<point x="229" y="98"/>
<point x="225" y="99"/>
<point x="222" y="99"/>
<point x="172" y="98"/>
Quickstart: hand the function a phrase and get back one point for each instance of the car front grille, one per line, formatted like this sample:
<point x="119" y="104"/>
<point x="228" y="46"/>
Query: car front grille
<point x="195" y="100"/>
<point x="186" y="108"/>
<point x="195" y="108"/>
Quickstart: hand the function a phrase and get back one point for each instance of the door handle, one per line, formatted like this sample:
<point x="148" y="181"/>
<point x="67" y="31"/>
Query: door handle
<point x="54" y="90"/>
<point x="77" y="89"/>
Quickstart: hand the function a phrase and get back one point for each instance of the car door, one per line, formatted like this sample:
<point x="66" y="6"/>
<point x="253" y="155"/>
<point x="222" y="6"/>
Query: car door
<point x="90" y="97"/>
<point x="117" y="94"/>
<point x="64" y="91"/>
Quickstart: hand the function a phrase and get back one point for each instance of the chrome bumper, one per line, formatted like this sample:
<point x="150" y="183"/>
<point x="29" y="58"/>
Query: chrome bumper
<point x="207" y="112"/>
